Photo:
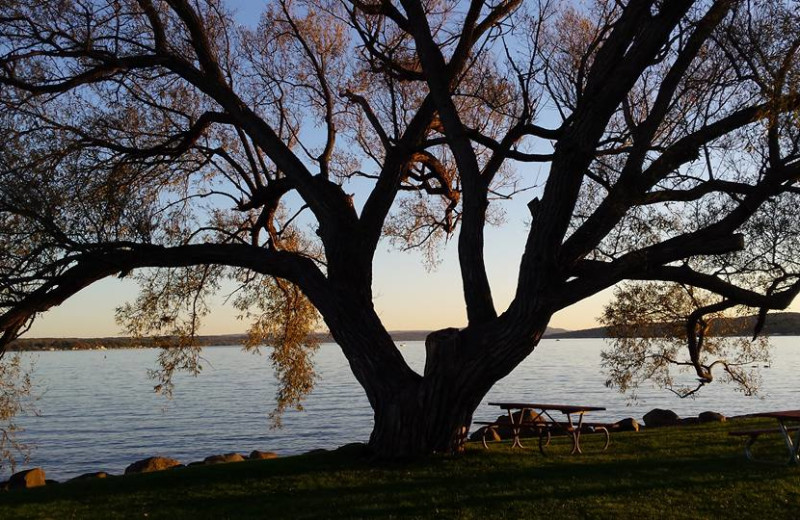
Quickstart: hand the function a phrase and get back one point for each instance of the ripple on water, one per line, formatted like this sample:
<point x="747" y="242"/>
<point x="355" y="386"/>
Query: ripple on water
<point x="98" y="411"/>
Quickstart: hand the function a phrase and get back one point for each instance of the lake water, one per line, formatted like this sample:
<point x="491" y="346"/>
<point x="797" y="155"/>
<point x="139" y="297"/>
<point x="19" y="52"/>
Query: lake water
<point x="98" y="411"/>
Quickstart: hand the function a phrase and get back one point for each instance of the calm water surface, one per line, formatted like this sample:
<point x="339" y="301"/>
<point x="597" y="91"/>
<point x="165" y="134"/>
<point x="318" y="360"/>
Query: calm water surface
<point x="98" y="412"/>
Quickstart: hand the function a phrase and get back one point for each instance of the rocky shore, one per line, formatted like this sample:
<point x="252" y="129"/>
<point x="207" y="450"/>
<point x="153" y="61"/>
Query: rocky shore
<point x="36" y="477"/>
<point x="655" y="418"/>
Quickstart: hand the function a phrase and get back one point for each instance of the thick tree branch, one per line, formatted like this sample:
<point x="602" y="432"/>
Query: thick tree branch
<point x="204" y="50"/>
<point x="102" y="262"/>
<point x="696" y="329"/>
<point x="362" y="102"/>
<point x="383" y="194"/>
<point x="477" y="292"/>
<point x="159" y="34"/>
<point x="504" y="150"/>
<point x="632" y="45"/>
<point x="632" y="190"/>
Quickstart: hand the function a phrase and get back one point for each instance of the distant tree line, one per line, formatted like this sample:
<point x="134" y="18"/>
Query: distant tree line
<point x="224" y="340"/>
<point x="781" y="324"/>
<point x="35" y="344"/>
<point x="778" y="324"/>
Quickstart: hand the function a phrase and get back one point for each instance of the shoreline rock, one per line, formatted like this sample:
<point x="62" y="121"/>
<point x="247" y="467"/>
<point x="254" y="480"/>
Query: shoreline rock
<point x="223" y="459"/>
<point x="627" y="425"/>
<point x="262" y="455"/>
<point x="706" y="417"/>
<point x="35" y="477"/>
<point x="658" y="417"/>
<point x="151" y="464"/>
<point x="90" y="476"/>
<point x="27" y="479"/>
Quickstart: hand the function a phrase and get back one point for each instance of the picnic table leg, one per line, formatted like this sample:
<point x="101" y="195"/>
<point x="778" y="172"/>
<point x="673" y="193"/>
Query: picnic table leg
<point x="483" y="437"/>
<point x="607" y="434"/>
<point x="795" y="456"/>
<point x="748" y="445"/>
<point x="791" y="446"/>
<point x="515" y="428"/>
<point x="576" y="433"/>
<point x="544" y="439"/>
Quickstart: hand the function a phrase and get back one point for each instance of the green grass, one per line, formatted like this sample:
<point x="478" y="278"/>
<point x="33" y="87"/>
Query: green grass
<point x="686" y="472"/>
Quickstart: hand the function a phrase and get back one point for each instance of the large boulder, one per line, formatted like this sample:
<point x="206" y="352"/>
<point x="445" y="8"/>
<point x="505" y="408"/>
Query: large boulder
<point x="658" y="417"/>
<point x="151" y="464"/>
<point x="353" y="449"/>
<point x="29" y="478"/>
<point x="263" y="455"/>
<point x="706" y="417"/>
<point x="221" y="459"/>
<point x="627" y="425"/>
<point x="91" y="476"/>
<point x="528" y="416"/>
<point x="491" y="434"/>
<point x="504" y="430"/>
<point x="501" y="430"/>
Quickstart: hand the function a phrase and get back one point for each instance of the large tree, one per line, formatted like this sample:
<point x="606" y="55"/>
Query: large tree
<point x="158" y="137"/>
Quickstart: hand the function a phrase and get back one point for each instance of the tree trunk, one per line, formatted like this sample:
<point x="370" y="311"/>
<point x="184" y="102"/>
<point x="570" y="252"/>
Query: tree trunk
<point x="406" y="428"/>
<point x="417" y="415"/>
<point x="434" y="415"/>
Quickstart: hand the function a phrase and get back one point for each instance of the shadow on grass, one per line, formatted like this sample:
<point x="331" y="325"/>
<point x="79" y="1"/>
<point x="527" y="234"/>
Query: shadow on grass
<point x="675" y="473"/>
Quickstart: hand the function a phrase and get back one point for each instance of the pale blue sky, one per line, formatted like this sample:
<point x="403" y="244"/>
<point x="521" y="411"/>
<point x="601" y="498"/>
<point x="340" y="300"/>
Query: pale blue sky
<point x="406" y="295"/>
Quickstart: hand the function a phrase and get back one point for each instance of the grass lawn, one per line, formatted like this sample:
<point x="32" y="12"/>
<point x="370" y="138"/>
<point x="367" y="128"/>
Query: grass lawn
<point x="682" y="472"/>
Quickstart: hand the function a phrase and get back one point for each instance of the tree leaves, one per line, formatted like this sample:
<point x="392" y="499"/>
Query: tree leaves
<point x="660" y="330"/>
<point x="283" y="321"/>
<point x="16" y="398"/>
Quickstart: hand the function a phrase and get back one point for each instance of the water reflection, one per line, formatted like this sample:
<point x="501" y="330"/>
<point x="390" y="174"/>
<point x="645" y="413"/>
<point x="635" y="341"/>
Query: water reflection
<point x="98" y="411"/>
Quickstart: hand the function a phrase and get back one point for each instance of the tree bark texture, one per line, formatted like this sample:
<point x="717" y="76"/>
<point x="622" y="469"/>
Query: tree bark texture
<point x="433" y="413"/>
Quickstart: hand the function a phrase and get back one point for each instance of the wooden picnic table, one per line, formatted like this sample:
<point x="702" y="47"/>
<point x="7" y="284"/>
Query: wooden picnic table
<point x="785" y="419"/>
<point x="545" y="423"/>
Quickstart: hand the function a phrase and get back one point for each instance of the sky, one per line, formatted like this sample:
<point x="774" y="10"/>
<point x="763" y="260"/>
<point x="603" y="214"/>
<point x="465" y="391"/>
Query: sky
<point x="407" y="296"/>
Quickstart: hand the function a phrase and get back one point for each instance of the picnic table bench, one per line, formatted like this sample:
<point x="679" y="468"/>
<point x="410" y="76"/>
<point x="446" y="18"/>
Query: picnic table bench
<point x="545" y="429"/>
<point x="784" y="418"/>
<point x="537" y="418"/>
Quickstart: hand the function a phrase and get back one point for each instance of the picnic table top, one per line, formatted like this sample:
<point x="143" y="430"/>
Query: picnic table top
<point x="784" y="414"/>
<point x="564" y="408"/>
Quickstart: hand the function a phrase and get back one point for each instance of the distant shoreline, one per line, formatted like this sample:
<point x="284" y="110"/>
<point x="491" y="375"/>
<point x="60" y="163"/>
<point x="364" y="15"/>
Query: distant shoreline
<point x="220" y="340"/>
<point x="777" y="324"/>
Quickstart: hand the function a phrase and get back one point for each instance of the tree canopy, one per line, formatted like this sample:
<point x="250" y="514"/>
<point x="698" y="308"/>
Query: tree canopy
<point x="159" y="138"/>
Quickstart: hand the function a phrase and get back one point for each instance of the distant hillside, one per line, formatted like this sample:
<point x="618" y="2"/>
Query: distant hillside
<point x="596" y="332"/>
<point x="420" y="335"/>
<point x="777" y="324"/>
<point x="42" y="344"/>
<point x="38" y="344"/>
